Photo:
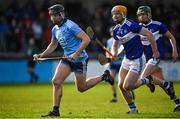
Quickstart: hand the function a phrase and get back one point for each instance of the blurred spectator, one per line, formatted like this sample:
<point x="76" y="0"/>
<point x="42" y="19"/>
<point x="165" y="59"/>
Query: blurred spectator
<point x="46" y="35"/>
<point x="21" y="20"/>
<point x="32" y="49"/>
<point x="37" y="29"/>
<point x="4" y="30"/>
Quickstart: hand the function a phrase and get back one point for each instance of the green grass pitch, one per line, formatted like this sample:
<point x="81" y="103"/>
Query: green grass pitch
<point x="31" y="101"/>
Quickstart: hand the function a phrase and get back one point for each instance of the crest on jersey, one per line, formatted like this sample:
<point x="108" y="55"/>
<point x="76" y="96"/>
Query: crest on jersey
<point x="125" y="31"/>
<point x="152" y="30"/>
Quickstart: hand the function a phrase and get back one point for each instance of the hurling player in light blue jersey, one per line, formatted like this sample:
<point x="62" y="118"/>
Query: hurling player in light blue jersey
<point x="73" y="40"/>
<point x="127" y="32"/>
<point x="153" y="66"/>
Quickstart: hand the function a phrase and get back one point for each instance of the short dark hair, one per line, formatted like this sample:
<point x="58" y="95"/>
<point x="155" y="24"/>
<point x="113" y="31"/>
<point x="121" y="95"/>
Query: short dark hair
<point x="57" y="8"/>
<point x="144" y="9"/>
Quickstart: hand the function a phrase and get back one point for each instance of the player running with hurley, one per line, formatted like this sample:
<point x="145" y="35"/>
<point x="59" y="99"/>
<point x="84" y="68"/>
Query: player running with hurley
<point x="73" y="40"/>
<point x="127" y="32"/>
<point x="153" y="66"/>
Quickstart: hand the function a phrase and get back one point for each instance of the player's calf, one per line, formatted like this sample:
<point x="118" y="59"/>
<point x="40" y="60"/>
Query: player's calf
<point x="168" y="86"/>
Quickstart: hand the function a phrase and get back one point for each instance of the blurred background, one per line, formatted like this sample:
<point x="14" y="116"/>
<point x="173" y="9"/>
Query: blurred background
<point x="25" y="28"/>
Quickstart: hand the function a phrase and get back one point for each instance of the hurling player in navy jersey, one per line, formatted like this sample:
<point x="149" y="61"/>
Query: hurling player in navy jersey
<point x="127" y="32"/>
<point x="73" y="40"/>
<point x="153" y="66"/>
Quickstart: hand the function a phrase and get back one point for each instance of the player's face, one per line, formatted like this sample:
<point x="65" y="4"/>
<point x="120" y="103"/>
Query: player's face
<point x="55" y="18"/>
<point x="143" y="18"/>
<point x="117" y="16"/>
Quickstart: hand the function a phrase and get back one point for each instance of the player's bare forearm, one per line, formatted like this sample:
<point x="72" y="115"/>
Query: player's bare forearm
<point x="107" y="54"/>
<point x="152" y="42"/>
<point x="51" y="47"/>
<point x="83" y="46"/>
<point x="172" y="40"/>
<point x="173" y="44"/>
<point x="115" y="47"/>
<point x="85" y="41"/>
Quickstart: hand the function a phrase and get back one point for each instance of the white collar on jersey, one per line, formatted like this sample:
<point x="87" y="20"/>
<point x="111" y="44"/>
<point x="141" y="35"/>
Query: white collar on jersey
<point x="148" y="23"/>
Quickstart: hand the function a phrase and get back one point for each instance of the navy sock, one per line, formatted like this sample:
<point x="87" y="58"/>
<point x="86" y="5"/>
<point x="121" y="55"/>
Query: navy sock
<point x="166" y="84"/>
<point x="145" y="80"/>
<point x="56" y="109"/>
<point x="115" y="95"/>
<point x="177" y="101"/>
<point x="132" y="106"/>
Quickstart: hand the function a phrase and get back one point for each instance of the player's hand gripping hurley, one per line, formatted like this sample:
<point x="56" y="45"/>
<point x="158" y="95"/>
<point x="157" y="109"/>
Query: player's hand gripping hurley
<point x="49" y="58"/>
<point x="104" y="60"/>
<point x="37" y="58"/>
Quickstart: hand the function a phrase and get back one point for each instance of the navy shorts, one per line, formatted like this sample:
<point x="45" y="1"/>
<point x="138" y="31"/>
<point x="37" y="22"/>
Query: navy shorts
<point x="77" y="67"/>
<point x="115" y="67"/>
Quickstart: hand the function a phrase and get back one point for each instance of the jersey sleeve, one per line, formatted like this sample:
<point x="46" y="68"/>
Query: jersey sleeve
<point x="53" y="34"/>
<point x="115" y="34"/>
<point x="74" y="28"/>
<point x="163" y="28"/>
<point x="135" y="27"/>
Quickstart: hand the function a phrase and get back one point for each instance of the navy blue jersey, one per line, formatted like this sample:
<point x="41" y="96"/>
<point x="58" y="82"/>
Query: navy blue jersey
<point x="128" y="34"/>
<point x="158" y="29"/>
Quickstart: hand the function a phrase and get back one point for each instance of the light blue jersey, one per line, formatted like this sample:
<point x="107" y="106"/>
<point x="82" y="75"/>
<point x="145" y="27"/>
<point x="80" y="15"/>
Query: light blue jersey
<point x="127" y="34"/>
<point x="158" y="29"/>
<point x="66" y="36"/>
<point x="110" y="43"/>
<point x="109" y="46"/>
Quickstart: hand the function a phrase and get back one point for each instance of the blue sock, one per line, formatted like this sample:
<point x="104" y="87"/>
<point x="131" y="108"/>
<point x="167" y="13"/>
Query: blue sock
<point x="132" y="106"/>
<point x="145" y="81"/>
<point x="177" y="101"/>
<point x="165" y="84"/>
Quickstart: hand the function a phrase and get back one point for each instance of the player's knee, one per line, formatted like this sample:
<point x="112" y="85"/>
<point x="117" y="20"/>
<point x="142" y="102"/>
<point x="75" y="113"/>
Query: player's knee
<point x="56" y="82"/>
<point x="121" y="87"/>
<point x="81" y="89"/>
<point x="127" y="87"/>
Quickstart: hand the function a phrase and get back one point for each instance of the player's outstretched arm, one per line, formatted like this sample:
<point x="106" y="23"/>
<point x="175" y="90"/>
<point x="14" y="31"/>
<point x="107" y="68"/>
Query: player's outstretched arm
<point x="115" y="47"/>
<point x="51" y="47"/>
<point x="173" y="44"/>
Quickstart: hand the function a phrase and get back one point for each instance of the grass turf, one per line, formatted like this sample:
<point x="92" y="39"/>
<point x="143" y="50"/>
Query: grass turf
<point x="30" y="101"/>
